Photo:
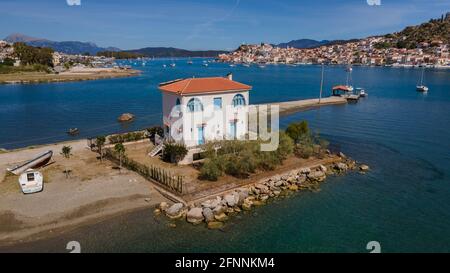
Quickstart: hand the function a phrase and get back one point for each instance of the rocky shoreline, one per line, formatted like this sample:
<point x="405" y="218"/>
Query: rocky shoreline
<point x="215" y="211"/>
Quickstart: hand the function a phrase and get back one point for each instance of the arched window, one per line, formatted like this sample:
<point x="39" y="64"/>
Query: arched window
<point x="178" y="102"/>
<point x="194" y="105"/>
<point x="238" y="100"/>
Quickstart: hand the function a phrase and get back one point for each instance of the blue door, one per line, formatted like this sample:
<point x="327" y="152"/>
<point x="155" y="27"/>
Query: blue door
<point x="233" y="130"/>
<point x="201" y="137"/>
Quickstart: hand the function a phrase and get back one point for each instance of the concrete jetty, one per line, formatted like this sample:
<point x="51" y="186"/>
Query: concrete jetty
<point x="289" y="107"/>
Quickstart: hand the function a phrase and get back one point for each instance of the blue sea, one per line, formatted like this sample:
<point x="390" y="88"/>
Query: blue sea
<point x="403" y="202"/>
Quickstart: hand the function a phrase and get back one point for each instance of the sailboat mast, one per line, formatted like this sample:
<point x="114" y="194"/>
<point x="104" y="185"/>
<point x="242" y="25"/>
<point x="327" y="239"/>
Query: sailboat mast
<point x="321" y="85"/>
<point x="421" y="77"/>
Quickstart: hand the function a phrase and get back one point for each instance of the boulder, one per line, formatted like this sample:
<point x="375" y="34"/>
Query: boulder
<point x="304" y="171"/>
<point x="278" y="183"/>
<point x="195" y="216"/>
<point x="258" y="203"/>
<point x="163" y="206"/>
<point x="242" y="195"/>
<point x="364" y="167"/>
<point x="317" y="175"/>
<point x="215" y="225"/>
<point x="175" y="211"/>
<point x="264" y="197"/>
<point x="157" y="211"/>
<point x="276" y="193"/>
<point x="222" y="217"/>
<point x="231" y="199"/>
<point x="323" y="168"/>
<point x="341" y="154"/>
<point x="301" y="179"/>
<point x="341" y="166"/>
<point x="247" y="205"/>
<point x="219" y="209"/>
<point x="293" y="187"/>
<point x="208" y="214"/>
<point x="126" y="117"/>
<point x="262" y="188"/>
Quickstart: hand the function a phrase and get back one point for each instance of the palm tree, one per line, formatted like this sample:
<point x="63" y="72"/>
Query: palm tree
<point x="66" y="151"/>
<point x="100" y="142"/>
<point x="120" y="149"/>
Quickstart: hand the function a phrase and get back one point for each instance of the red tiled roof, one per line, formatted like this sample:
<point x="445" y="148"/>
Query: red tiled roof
<point x="203" y="85"/>
<point x="341" y="87"/>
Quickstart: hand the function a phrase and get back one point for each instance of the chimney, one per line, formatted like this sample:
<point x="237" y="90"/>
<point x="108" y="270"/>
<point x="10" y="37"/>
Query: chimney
<point x="230" y="76"/>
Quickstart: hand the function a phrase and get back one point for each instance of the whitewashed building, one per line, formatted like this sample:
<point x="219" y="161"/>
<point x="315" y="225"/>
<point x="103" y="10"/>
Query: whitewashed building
<point x="197" y="110"/>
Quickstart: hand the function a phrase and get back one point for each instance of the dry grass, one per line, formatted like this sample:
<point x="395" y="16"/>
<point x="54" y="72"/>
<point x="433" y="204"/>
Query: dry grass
<point x="37" y="77"/>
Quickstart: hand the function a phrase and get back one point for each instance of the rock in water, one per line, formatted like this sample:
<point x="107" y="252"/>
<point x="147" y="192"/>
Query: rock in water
<point x="175" y="211"/>
<point x="163" y="206"/>
<point x="341" y="166"/>
<point x="208" y="214"/>
<point x="195" y="216"/>
<point x="126" y="117"/>
<point x="215" y="225"/>
<point x="364" y="168"/>
<point x="221" y="217"/>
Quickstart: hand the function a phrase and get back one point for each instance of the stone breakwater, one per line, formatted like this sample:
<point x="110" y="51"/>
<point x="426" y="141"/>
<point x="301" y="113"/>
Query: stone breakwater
<point x="216" y="210"/>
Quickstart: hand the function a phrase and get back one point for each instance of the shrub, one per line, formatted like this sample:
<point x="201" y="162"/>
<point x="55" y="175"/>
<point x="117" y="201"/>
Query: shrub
<point x="210" y="170"/>
<point x="298" y="131"/>
<point x="304" y="150"/>
<point x="155" y="130"/>
<point x="173" y="152"/>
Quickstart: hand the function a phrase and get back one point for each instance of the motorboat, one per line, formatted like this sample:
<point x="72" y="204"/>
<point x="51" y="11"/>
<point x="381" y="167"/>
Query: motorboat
<point x="361" y="92"/>
<point x="73" y="131"/>
<point x="38" y="161"/>
<point x="31" y="181"/>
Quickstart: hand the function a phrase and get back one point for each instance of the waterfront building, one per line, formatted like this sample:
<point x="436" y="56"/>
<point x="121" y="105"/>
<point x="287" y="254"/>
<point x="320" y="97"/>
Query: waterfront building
<point x="197" y="110"/>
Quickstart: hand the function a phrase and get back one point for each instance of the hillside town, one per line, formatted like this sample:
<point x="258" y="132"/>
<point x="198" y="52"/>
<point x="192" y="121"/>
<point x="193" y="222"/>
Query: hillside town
<point x="362" y="52"/>
<point x="423" y="45"/>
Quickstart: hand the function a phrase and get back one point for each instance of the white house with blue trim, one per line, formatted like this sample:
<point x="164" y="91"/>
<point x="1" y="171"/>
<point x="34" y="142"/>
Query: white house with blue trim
<point x="197" y="110"/>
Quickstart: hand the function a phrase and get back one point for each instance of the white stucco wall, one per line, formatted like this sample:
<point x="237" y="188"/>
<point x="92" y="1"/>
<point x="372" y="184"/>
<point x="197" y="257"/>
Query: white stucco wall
<point x="215" y="123"/>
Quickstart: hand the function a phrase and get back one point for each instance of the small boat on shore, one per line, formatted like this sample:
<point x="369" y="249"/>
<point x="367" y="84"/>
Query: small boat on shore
<point x="36" y="162"/>
<point x="73" y="131"/>
<point x="31" y="181"/>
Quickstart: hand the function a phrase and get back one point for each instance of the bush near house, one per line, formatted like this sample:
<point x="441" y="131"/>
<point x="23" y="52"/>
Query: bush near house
<point x="173" y="152"/>
<point x="306" y="144"/>
<point x="242" y="158"/>
<point x="127" y="137"/>
<point x="155" y="130"/>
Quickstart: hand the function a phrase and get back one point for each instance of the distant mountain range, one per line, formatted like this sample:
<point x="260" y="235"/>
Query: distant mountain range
<point x="175" y="52"/>
<point x="76" y="47"/>
<point x="69" y="47"/>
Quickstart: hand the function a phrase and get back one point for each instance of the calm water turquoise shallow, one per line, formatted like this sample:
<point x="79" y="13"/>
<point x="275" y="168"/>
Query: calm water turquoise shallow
<point x="404" y="202"/>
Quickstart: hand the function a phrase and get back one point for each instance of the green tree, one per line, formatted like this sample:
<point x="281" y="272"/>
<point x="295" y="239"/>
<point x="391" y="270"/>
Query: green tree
<point x="100" y="142"/>
<point x="174" y="152"/>
<point x="66" y="152"/>
<point x="298" y="131"/>
<point x="120" y="149"/>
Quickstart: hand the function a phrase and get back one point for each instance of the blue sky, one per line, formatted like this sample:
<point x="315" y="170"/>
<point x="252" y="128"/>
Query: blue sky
<point x="210" y="24"/>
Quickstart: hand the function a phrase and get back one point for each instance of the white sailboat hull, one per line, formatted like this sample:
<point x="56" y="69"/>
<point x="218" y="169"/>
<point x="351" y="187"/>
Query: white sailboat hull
<point x="38" y="161"/>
